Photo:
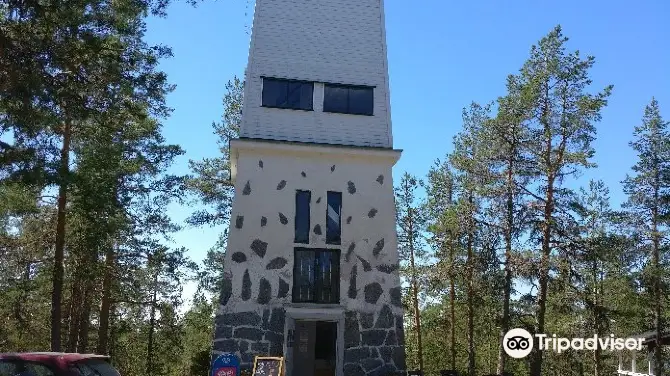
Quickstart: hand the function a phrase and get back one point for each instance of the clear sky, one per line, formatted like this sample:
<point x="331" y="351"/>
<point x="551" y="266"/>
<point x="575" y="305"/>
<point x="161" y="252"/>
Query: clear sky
<point x="442" y="55"/>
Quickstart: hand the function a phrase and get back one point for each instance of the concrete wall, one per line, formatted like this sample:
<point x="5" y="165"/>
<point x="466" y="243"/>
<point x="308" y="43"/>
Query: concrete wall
<point x="259" y="260"/>
<point x="335" y="41"/>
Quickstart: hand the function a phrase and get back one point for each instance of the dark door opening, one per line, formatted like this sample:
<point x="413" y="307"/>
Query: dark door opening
<point x="315" y="348"/>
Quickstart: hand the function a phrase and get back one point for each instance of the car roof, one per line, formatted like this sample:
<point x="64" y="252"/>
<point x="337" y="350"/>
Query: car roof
<point x="52" y="356"/>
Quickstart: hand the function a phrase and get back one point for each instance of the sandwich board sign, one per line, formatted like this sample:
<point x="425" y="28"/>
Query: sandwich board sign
<point x="226" y="364"/>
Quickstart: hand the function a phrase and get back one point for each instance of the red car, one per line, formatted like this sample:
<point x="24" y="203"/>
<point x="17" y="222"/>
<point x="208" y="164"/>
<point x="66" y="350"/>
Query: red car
<point x="55" y="364"/>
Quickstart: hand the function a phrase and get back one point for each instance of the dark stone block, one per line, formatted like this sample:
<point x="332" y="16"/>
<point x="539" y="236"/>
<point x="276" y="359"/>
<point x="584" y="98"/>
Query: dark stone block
<point x="247" y="189"/>
<point x="351" y="187"/>
<point x="385" y="318"/>
<point x="283" y="288"/>
<point x="264" y="221"/>
<point x="244" y="346"/>
<point x="239" y="257"/>
<point x="373" y="352"/>
<point x="283" y="219"/>
<point x="223" y="331"/>
<point x="386" y="353"/>
<point x="260" y="347"/>
<point x="385" y="370"/>
<point x="246" y="286"/>
<point x="247" y="359"/>
<point x="276" y="263"/>
<point x="372" y="292"/>
<point x="260" y="164"/>
<point x="380" y="179"/>
<point x="356" y="354"/>
<point x="277" y="320"/>
<point x="240" y="319"/>
<point x="227" y="345"/>
<point x="264" y="291"/>
<point x="366" y="265"/>
<point x="239" y="221"/>
<point x="348" y="219"/>
<point x="318" y="200"/>
<point x="350" y="251"/>
<point x="259" y="247"/>
<point x="353" y="292"/>
<point x="266" y="319"/>
<point x="317" y="229"/>
<point x="276" y="349"/>
<point x="367" y="320"/>
<point x="391" y="339"/>
<point x="396" y="296"/>
<point x="226" y="291"/>
<point x="251" y="334"/>
<point x="273" y="337"/>
<point x="352" y="334"/>
<point x="373" y="337"/>
<point x="387" y="268"/>
<point x="378" y="247"/>
<point x="371" y="364"/>
<point x="372" y="213"/>
<point x="281" y="185"/>
<point x="399" y="357"/>
<point x="352" y="369"/>
<point x="303" y="174"/>
<point x="399" y="330"/>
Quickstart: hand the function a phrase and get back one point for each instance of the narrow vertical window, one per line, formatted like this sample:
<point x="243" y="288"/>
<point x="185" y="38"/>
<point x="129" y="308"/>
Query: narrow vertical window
<point x="334" y="218"/>
<point x="302" y="199"/>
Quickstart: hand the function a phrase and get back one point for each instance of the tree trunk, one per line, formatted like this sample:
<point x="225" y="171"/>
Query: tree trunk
<point x="471" y="293"/>
<point x="452" y="305"/>
<point x="85" y="317"/>
<point x="658" y="324"/>
<point x="105" y="305"/>
<point x="59" y="251"/>
<point x="74" y="312"/>
<point x="507" y="287"/>
<point x="152" y="323"/>
<point x="415" y="291"/>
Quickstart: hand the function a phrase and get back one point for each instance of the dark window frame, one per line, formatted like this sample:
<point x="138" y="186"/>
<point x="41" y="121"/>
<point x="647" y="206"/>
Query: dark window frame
<point x="338" y="239"/>
<point x="287" y="81"/>
<point x="345" y="86"/>
<point x="317" y="285"/>
<point x="296" y="239"/>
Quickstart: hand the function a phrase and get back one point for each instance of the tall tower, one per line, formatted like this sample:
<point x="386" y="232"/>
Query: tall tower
<point x="311" y="269"/>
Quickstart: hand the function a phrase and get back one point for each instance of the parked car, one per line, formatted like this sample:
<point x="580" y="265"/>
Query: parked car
<point x="55" y="364"/>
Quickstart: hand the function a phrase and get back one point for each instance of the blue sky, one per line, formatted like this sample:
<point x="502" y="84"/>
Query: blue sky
<point x="442" y="55"/>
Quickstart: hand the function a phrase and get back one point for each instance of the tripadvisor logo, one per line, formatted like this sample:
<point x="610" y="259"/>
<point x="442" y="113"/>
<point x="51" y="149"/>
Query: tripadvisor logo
<point x="518" y="343"/>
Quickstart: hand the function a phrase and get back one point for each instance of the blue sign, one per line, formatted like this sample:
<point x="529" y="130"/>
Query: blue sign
<point x="226" y="364"/>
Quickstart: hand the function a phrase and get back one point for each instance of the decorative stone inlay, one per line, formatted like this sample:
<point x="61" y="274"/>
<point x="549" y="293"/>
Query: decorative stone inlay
<point x="351" y="187"/>
<point x="350" y="251"/>
<point x="373" y="337"/>
<point x="259" y="247"/>
<point x="239" y="221"/>
<point x="303" y="174"/>
<point x="246" y="286"/>
<point x="372" y="213"/>
<point x="332" y="168"/>
<point x="260" y="163"/>
<point x="277" y="320"/>
<point x="318" y="200"/>
<point x="385" y="318"/>
<point x="348" y="219"/>
<point x="247" y="189"/>
<point x="378" y="247"/>
<point x="353" y="292"/>
<point x="380" y="179"/>
<point x="239" y="257"/>
<point x="226" y="291"/>
<point x="372" y="292"/>
<point x="352" y="336"/>
<point x="276" y="263"/>
<point x="367" y="320"/>
<point x="366" y="265"/>
<point x="264" y="221"/>
<point x="396" y="296"/>
<point x="283" y="219"/>
<point x="281" y="185"/>
<point x="386" y="268"/>
<point x="264" y="291"/>
<point x="283" y="288"/>
<point x="317" y="229"/>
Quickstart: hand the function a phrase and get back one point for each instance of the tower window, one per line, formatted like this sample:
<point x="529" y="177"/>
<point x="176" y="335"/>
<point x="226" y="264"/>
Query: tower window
<point x="291" y="94"/>
<point x="302" y="200"/>
<point x="347" y="99"/>
<point x="334" y="218"/>
<point x="316" y="276"/>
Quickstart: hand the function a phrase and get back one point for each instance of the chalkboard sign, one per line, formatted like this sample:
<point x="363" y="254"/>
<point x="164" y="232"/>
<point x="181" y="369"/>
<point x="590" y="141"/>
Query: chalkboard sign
<point x="268" y="366"/>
